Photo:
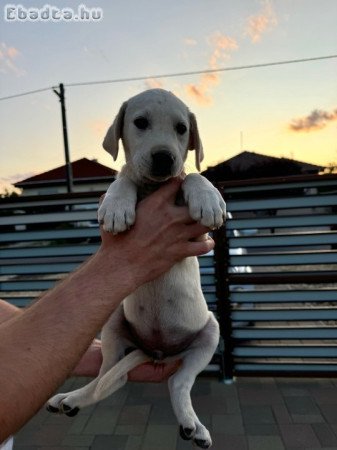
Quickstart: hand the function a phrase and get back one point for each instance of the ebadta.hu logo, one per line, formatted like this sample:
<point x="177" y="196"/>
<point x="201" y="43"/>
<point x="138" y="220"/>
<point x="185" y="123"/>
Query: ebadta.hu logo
<point x="19" y="13"/>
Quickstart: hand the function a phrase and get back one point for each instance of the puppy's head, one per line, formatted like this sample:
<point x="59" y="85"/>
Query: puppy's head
<point x="157" y="130"/>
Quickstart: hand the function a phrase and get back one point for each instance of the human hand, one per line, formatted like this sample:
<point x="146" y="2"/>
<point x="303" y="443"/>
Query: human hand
<point x="161" y="236"/>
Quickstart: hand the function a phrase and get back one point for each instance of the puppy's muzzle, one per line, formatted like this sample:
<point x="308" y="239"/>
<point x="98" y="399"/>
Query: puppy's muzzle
<point x="162" y="163"/>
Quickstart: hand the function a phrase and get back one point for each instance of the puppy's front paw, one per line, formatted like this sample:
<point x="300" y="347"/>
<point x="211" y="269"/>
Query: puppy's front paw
<point x="116" y="215"/>
<point x="207" y="207"/>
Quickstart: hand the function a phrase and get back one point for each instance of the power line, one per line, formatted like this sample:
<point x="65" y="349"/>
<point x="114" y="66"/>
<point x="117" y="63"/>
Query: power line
<point x="199" y="72"/>
<point x="177" y="74"/>
<point x="27" y="93"/>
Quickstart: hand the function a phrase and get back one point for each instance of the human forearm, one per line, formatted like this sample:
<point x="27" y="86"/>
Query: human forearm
<point x="40" y="347"/>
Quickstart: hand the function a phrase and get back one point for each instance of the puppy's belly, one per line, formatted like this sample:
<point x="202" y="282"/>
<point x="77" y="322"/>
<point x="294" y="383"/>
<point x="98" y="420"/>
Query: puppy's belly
<point x="160" y="344"/>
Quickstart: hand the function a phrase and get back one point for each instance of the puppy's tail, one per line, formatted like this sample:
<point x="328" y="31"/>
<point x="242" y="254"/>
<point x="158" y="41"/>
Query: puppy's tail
<point x="113" y="379"/>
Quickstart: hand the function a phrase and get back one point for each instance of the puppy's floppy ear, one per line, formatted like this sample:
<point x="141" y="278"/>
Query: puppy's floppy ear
<point x="195" y="141"/>
<point x="114" y="133"/>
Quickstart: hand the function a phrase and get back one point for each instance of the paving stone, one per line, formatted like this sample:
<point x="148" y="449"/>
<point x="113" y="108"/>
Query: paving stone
<point x="219" y="389"/>
<point x="134" y="414"/>
<point x="261" y="429"/>
<point x="163" y="437"/>
<point x="310" y="418"/>
<point x="301" y="405"/>
<point x="325" y="435"/>
<point x="134" y="443"/>
<point x="257" y="414"/>
<point x="227" y="424"/>
<point x="329" y="412"/>
<point x="325" y="395"/>
<point x="259" y="396"/>
<point x="162" y="414"/>
<point x="205" y="403"/>
<point x="117" y="398"/>
<point x="223" y="441"/>
<point x="102" y="422"/>
<point x="202" y="387"/>
<point x="109" y="443"/>
<point x="78" y="423"/>
<point x="281" y="414"/>
<point x="265" y="443"/>
<point x="298" y="436"/>
<point x="41" y="436"/>
<point x="130" y="429"/>
<point x="58" y="448"/>
<point x="75" y="440"/>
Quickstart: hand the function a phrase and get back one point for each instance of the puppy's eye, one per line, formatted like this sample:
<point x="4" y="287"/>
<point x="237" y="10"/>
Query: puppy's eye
<point x="181" y="128"/>
<point x="141" y="123"/>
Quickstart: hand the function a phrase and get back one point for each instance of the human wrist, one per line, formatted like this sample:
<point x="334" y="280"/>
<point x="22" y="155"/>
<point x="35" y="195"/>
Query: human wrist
<point x="116" y="267"/>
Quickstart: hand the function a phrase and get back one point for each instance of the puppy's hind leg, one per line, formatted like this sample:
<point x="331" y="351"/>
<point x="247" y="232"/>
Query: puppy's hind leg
<point x="115" y="341"/>
<point x="195" y="359"/>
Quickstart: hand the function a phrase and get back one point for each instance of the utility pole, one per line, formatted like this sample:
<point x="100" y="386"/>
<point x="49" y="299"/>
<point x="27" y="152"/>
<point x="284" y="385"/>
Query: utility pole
<point x="69" y="171"/>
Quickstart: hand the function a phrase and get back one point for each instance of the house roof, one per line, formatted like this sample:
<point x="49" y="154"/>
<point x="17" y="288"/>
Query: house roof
<point x="246" y="162"/>
<point x="83" y="169"/>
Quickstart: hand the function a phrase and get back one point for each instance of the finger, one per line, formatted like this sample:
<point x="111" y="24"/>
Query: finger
<point x="197" y="248"/>
<point x="194" y="230"/>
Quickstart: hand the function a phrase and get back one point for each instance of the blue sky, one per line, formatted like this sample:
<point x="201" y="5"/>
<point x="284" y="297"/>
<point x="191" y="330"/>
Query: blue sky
<point x="150" y="37"/>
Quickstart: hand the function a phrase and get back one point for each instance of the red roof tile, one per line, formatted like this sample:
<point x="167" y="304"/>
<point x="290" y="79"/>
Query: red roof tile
<point x="82" y="169"/>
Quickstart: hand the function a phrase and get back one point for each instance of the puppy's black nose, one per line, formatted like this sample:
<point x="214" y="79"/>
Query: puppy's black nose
<point x="162" y="162"/>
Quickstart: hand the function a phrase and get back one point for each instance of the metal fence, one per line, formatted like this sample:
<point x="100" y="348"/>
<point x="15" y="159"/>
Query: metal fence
<point x="272" y="280"/>
<point x="279" y="317"/>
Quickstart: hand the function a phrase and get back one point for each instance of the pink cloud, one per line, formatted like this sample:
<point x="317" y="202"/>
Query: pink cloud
<point x="261" y="23"/>
<point x="8" y="55"/>
<point x="222" y="46"/>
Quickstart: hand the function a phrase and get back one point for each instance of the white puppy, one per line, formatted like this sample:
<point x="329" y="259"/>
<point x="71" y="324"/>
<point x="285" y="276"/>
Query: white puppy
<point x="167" y="318"/>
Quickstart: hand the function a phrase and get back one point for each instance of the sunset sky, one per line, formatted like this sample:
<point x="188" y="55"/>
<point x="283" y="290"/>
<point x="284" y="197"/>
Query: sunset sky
<point x="288" y="110"/>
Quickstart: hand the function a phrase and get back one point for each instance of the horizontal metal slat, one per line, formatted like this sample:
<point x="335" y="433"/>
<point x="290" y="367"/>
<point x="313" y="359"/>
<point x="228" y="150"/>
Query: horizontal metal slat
<point x="32" y="268"/>
<point x="42" y="235"/>
<point x="282" y="222"/>
<point x="284" y="277"/>
<point x="282" y="203"/>
<point x="206" y="261"/>
<point x="251" y="188"/>
<point x="38" y="202"/>
<point x="66" y="216"/>
<point x="287" y="240"/>
<point x="32" y="285"/>
<point x="62" y="250"/>
<point x="304" y="351"/>
<point x="279" y="333"/>
<point x="285" y="368"/>
<point x="316" y="295"/>
<point x="207" y="279"/>
<point x="284" y="259"/>
<point x="313" y="314"/>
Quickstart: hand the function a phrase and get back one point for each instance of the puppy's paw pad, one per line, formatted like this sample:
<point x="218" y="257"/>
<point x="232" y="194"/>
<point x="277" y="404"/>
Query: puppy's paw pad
<point x="186" y="433"/>
<point x="69" y="411"/>
<point x="202" y="443"/>
<point x="52" y="409"/>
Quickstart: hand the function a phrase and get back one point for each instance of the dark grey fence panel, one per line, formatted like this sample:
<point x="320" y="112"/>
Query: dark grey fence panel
<point x="280" y="316"/>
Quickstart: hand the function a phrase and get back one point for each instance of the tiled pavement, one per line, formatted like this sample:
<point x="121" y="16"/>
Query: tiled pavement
<point x="251" y="414"/>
